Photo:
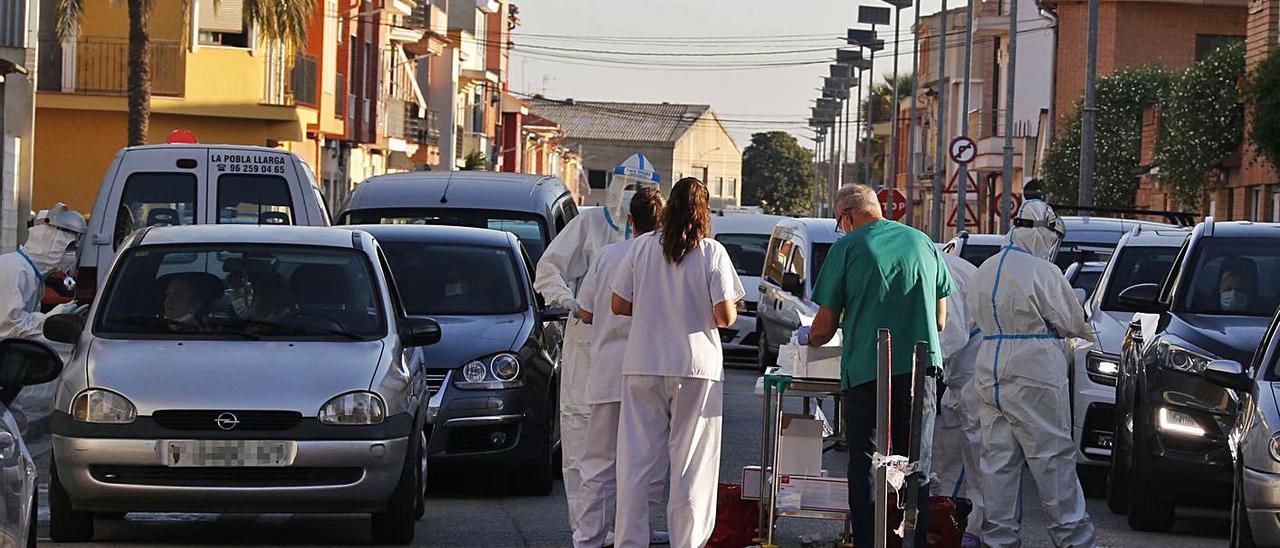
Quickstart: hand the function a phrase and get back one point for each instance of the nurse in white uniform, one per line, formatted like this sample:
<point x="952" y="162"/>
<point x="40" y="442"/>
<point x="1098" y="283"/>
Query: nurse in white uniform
<point x="679" y="287"/>
<point x="609" y="332"/>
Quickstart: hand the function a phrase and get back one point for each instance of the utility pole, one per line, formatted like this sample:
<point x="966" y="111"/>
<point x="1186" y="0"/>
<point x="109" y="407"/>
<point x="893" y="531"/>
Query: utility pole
<point x="891" y="181"/>
<point x="940" y="155"/>
<point x="844" y="161"/>
<point x="911" y="118"/>
<point x="1089" y="113"/>
<point x="862" y="146"/>
<point x="871" y="112"/>
<point x="962" y="180"/>
<point x="1006" y="178"/>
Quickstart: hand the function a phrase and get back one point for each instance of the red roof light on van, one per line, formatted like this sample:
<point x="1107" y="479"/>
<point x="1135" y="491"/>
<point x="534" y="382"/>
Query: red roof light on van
<point x="182" y="136"/>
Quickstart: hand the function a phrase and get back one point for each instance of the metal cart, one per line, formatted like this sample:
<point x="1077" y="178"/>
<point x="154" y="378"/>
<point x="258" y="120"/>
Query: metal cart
<point x="776" y="386"/>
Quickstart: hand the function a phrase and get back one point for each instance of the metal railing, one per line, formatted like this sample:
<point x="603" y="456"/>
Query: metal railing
<point x="101" y="66"/>
<point x="421" y="130"/>
<point x="289" y="85"/>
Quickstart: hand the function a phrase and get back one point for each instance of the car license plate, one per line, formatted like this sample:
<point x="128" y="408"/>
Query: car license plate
<point x="227" y="453"/>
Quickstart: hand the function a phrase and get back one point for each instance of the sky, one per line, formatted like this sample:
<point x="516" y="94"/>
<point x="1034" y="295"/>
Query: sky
<point x="604" y="50"/>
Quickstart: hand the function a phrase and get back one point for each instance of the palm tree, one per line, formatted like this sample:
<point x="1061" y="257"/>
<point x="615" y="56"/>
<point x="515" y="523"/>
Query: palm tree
<point x="283" y="21"/>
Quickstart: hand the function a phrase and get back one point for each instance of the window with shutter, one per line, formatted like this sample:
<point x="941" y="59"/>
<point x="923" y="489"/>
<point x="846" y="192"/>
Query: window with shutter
<point x="223" y="24"/>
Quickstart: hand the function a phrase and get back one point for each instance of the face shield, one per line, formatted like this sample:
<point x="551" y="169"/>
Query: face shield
<point x="1038" y="230"/>
<point x="628" y="178"/>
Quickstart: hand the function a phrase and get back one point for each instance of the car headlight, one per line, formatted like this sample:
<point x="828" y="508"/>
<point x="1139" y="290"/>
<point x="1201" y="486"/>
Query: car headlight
<point x="490" y="373"/>
<point x="1181" y="359"/>
<point x="103" y="407"/>
<point x="505" y="367"/>
<point x="8" y="448"/>
<point x="1102" y="368"/>
<point x="1274" y="447"/>
<point x="354" y="408"/>
<point x="1179" y="422"/>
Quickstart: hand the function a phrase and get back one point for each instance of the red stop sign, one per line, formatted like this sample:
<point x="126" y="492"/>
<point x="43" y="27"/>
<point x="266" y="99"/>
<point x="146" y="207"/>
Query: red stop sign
<point x="893" y="204"/>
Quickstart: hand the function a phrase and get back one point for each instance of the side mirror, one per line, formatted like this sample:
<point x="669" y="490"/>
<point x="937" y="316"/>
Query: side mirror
<point x="25" y="362"/>
<point x="791" y="283"/>
<point x="1081" y="295"/>
<point x="1142" y="298"/>
<point x="63" y="328"/>
<point x="419" y="332"/>
<point x="1227" y="374"/>
<point x="555" y="314"/>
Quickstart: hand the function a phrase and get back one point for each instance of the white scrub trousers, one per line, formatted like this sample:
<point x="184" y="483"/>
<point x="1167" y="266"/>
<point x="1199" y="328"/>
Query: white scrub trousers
<point x="597" y="496"/>
<point x="681" y="417"/>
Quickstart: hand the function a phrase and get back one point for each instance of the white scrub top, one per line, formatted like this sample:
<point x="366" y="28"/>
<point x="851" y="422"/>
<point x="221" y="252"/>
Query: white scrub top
<point x="674" y="332"/>
<point x="609" y="331"/>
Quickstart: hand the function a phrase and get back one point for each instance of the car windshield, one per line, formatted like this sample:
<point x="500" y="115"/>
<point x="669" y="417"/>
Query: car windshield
<point x="1232" y="277"/>
<point x="1133" y="266"/>
<point x="819" y="256"/>
<point x="528" y="227"/>
<point x="978" y="254"/>
<point x="455" y="280"/>
<point x="746" y="251"/>
<point x="235" y="291"/>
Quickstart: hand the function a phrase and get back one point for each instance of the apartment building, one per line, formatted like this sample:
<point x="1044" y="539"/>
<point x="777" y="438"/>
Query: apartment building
<point x="18" y="43"/>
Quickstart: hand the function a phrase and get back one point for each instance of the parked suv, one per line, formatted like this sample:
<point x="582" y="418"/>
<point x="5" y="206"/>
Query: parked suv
<point x="1172" y="424"/>
<point x="242" y="369"/>
<point x="797" y="249"/>
<point x="1144" y="256"/>
<point x="493" y="376"/>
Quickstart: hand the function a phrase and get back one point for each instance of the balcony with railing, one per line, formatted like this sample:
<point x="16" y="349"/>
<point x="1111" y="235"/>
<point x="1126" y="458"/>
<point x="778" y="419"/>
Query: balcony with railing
<point x="100" y="66"/>
<point x="289" y="84"/>
<point x="421" y="130"/>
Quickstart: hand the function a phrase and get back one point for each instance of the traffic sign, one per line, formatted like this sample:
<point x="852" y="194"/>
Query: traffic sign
<point x="963" y="150"/>
<point x="1013" y="211"/>
<point x="893" y="204"/>
<point x="970" y="216"/>
<point x="972" y="190"/>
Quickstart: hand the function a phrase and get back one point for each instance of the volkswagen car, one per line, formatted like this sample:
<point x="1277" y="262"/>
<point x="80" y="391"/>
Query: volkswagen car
<point x="494" y="375"/>
<point x="1171" y="424"/>
<point x="236" y="369"/>
<point x="1144" y="256"/>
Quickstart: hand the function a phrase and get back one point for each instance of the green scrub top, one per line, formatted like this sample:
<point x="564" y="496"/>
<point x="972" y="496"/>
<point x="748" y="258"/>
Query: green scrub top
<point x="883" y="275"/>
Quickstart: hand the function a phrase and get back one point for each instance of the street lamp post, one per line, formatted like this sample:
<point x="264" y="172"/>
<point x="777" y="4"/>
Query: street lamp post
<point x="962" y="179"/>
<point x="1006" y="182"/>
<point x="939" y="158"/>
<point x="894" y="117"/>
<point x="1089" y="113"/>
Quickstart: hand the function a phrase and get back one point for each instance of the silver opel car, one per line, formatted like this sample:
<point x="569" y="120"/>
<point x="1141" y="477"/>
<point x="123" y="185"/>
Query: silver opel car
<point x="242" y="369"/>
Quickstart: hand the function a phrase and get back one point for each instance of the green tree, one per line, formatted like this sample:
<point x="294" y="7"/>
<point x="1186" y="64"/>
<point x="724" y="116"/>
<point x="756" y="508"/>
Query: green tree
<point x="1263" y="93"/>
<point x="777" y="174"/>
<point x="475" y="161"/>
<point x="1122" y="97"/>
<point x="1201" y="123"/>
<point x="283" y="21"/>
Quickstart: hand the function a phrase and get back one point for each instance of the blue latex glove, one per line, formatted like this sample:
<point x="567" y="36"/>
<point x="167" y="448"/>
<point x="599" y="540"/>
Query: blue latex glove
<point x="802" y="335"/>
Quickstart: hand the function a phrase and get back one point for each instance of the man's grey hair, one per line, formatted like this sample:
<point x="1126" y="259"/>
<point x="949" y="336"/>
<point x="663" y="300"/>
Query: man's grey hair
<point x="857" y="199"/>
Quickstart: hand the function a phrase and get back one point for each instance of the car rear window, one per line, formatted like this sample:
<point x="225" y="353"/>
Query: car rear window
<point x="236" y="291"/>
<point x="747" y="251"/>
<point x="531" y="229"/>
<point x="254" y="200"/>
<point x="155" y="199"/>
<point x="1248" y="268"/>
<point x="977" y="254"/>
<point x="455" y="280"/>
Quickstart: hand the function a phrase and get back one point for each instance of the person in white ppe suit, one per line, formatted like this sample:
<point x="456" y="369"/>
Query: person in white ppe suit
<point x="596" y="497"/>
<point x="51" y="247"/>
<point x="1025" y="309"/>
<point x="558" y="276"/>
<point x="957" y="439"/>
<point x="678" y="286"/>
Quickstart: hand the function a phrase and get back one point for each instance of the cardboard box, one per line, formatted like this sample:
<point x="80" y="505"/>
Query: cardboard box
<point x="805" y="362"/>
<point x="801" y="445"/>
<point x="818" y="493"/>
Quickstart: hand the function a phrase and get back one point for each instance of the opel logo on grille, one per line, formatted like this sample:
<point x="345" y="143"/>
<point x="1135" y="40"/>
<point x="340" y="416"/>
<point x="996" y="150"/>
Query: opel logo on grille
<point x="227" y="421"/>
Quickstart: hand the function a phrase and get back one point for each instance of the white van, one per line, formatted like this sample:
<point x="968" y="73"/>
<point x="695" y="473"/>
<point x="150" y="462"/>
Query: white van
<point x="190" y="184"/>
<point x="793" y="260"/>
<point x="746" y="237"/>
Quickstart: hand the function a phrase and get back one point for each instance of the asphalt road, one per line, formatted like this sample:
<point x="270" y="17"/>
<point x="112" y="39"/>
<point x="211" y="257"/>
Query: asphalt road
<point x="456" y="517"/>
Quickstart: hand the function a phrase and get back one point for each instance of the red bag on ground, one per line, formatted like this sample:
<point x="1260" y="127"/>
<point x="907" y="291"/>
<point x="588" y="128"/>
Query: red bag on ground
<point x="946" y="522"/>
<point x="737" y="520"/>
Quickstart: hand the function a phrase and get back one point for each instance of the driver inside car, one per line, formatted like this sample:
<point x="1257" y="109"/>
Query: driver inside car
<point x="1237" y="285"/>
<point x="180" y="301"/>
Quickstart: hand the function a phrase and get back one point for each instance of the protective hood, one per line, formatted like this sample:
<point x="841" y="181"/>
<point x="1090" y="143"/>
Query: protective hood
<point x="631" y="175"/>
<point x="1037" y="229"/>
<point x="47" y="247"/>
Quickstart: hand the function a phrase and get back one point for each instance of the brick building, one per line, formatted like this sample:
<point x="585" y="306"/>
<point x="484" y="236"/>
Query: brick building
<point x="1132" y="33"/>
<point x="1257" y="196"/>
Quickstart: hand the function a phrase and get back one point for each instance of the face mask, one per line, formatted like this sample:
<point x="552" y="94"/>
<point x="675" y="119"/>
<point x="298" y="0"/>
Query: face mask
<point x="453" y="289"/>
<point x="1234" y="299"/>
<point x="68" y="263"/>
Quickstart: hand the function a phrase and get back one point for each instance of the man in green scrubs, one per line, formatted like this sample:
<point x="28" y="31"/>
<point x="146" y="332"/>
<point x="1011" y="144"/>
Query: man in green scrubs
<point x="880" y="275"/>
